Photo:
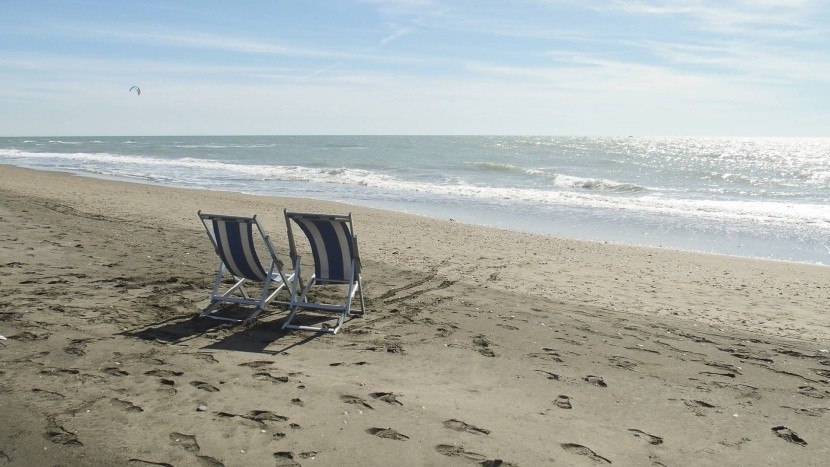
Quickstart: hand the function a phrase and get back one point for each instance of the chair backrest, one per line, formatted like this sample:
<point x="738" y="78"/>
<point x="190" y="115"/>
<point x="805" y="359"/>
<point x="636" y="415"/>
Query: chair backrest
<point x="233" y="238"/>
<point x="333" y="245"/>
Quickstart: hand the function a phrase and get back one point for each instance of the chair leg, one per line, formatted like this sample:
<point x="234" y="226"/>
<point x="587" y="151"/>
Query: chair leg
<point x="360" y="292"/>
<point x="259" y="302"/>
<point x="212" y="306"/>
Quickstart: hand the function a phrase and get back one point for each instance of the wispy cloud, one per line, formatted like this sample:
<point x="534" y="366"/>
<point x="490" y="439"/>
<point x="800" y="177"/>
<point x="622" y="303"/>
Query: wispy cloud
<point x="408" y="6"/>
<point x="771" y="64"/>
<point x="399" y="32"/>
<point x="597" y="76"/>
<point x="207" y="41"/>
<point x="767" y="17"/>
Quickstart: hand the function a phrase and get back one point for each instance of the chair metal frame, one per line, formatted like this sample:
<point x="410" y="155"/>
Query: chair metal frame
<point x="254" y="272"/>
<point x="350" y="274"/>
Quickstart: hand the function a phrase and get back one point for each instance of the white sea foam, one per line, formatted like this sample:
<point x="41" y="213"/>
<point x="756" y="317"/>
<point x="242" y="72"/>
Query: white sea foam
<point x="567" y="181"/>
<point x="565" y="191"/>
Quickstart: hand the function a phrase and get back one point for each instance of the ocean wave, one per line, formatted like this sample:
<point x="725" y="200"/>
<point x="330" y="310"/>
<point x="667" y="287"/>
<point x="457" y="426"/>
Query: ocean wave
<point x="567" y="181"/>
<point x="344" y="146"/>
<point x="823" y="176"/>
<point x="507" y="168"/>
<point x="590" y="192"/>
<point x="561" y="180"/>
<point x="223" y="146"/>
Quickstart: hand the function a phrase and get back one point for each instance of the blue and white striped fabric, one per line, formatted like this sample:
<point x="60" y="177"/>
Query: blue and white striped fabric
<point x="331" y="245"/>
<point x="235" y="245"/>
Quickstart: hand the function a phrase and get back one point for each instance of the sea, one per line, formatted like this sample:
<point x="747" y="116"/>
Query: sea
<point x="753" y="197"/>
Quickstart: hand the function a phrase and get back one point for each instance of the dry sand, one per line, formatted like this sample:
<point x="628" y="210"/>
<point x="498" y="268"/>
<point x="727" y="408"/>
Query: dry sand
<point x="480" y="345"/>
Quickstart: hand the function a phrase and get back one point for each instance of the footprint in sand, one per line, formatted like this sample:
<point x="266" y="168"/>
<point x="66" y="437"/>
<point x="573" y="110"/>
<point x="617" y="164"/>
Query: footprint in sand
<point x="204" y="386"/>
<point x="27" y="336"/>
<point x="458" y="425"/>
<point x="698" y="406"/>
<point x="143" y="462"/>
<point x="484" y="346"/>
<point x="285" y="459"/>
<point x="563" y="402"/>
<point x="76" y="347"/>
<point x="595" y="380"/>
<point x="650" y="439"/>
<point x="724" y="366"/>
<point x="187" y="442"/>
<point x="163" y="373"/>
<point x="810" y="391"/>
<point x="788" y="435"/>
<point x="264" y="415"/>
<point x="496" y="463"/>
<point x="258" y="416"/>
<point x="361" y="363"/>
<point x="257" y="364"/>
<point x="547" y="353"/>
<point x="115" y="371"/>
<point x="584" y="451"/>
<point x="697" y="403"/>
<point x="810" y="412"/>
<point x="205" y="357"/>
<point x="549" y="375"/>
<point x="151" y="360"/>
<point x="60" y="371"/>
<point x="355" y="400"/>
<point x="389" y="348"/>
<point x="50" y="395"/>
<point x="265" y="376"/>
<point x="443" y="332"/>
<point x="387" y="433"/>
<point x="60" y="435"/>
<point x="624" y="363"/>
<point x="208" y="461"/>
<point x="458" y="451"/>
<point x="715" y="373"/>
<point x="298" y="402"/>
<point x="126" y="406"/>
<point x="387" y="397"/>
<point x="167" y="387"/>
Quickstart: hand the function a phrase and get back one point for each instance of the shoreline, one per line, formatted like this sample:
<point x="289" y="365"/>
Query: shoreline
<point x="406" y="212"/>
<point x="479" y="344"/>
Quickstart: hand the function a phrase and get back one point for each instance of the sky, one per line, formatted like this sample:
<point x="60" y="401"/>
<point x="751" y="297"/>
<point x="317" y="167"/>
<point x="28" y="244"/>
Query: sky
<point x="541" y="67"/>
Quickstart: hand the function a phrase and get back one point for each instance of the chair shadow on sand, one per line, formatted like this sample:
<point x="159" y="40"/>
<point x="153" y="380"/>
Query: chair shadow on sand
<point x="255" y="337"/>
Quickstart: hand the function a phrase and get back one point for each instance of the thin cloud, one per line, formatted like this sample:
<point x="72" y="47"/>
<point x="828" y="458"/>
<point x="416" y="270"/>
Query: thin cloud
<point x="724" y="16"/>
<point x="200" y="40"/>
<point x="400" y="32"/>
<point x="771" y="64"/>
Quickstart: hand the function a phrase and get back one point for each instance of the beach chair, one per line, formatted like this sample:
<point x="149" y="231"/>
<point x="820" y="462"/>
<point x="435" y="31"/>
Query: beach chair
<point x="234" y="242"/>
<point x="336" y="263"/>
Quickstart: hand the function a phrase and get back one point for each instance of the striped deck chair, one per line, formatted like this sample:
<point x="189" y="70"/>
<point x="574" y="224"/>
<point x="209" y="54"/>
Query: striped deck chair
<point x="234" y="242"/>
<point x="336" y="262"/>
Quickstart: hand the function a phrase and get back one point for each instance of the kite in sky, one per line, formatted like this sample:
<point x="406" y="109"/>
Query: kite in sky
<point x="137" y="90"/>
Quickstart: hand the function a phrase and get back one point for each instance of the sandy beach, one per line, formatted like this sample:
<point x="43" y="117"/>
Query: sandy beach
<point x="479" y="346"/>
